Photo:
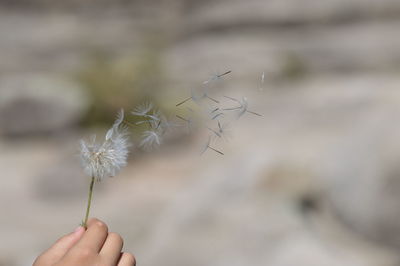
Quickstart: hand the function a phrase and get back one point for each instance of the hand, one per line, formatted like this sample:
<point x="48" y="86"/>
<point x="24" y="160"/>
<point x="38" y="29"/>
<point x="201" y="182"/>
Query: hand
<point x="94" y="246"/>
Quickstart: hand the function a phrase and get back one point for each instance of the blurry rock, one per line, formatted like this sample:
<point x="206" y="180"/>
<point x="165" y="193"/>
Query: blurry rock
<point x="37" y="104"/>
<point x="255" y="13"/>
<point x="363" y="174"/>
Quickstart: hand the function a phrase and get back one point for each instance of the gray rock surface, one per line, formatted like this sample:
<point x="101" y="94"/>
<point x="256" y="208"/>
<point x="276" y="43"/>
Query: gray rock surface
<point x="35" y="104"/>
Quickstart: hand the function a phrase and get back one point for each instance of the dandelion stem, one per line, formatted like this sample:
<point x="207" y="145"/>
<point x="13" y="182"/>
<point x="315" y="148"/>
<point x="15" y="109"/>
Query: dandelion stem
<point x="84" y="224"/>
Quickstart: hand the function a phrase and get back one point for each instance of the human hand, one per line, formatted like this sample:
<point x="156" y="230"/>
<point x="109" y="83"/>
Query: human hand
<point x="94" y="246"/>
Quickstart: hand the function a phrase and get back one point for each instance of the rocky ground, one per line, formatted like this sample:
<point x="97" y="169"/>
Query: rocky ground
<point x="312" y="182"/>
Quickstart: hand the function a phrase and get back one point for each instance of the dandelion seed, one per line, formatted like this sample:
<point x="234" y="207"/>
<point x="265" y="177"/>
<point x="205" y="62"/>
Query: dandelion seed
<point x="197" y="96"/>
<point x="151" y="119"/>
<point x="242" y="108"/>
<point x="215" y="113"/>
<point x="207" y="146"/>
<point x="216" y="77"/>
<point x="151" y="139"/>
<point x="223" y="131"/>
<point x="212" y="113"/>
<point x="160" y="122"/>
<point x="215" y="132"/>
<point x="120" y="118"/>
<point x="216" y="116"/>
<point x="187" y="99"/>
<point x="214" y="110"/>
<point x="189" y="122"/>
<point x="262" y="81"/>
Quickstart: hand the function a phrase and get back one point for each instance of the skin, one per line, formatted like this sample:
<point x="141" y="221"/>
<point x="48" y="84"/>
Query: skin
<point x="92" y="247"/>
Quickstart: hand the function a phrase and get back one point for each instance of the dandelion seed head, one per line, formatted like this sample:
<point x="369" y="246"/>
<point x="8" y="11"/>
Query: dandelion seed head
<point x="106" y="159"/>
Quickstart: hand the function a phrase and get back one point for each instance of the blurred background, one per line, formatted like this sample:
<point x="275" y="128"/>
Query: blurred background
<point x="315" y="181"/>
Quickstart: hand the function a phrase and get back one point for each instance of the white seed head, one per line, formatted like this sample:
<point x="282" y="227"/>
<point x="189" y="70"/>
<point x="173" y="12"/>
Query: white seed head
<point x="106" y="159"/>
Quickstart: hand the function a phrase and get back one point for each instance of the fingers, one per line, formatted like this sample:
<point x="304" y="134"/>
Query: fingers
<point x="61" y="247"/>
<point x="94" y="237"/>
<point x="98" y="247"/>
<point x="111" y="251"/>
<point x="66" y="242"/>
<point x="127" y="259"/>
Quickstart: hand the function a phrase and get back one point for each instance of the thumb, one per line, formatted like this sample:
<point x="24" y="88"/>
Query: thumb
<point x="62" y="245"/>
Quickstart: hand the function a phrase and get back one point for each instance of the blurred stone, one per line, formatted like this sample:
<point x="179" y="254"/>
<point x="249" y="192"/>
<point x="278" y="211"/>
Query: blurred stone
<point x="364" y="180"/>
<point x="288" y="53"/>
<point x="214" y="15"/>
<point x="359" y="149"/>
<point x="36" y="104"/>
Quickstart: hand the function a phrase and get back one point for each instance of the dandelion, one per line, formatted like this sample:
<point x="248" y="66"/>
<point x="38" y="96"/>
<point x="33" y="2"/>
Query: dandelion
<point x="107" y="159"/>
<point x="242" y="108"/>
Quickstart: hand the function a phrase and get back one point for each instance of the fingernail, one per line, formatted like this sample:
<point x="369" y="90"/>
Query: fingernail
<point x="78" y="229"/>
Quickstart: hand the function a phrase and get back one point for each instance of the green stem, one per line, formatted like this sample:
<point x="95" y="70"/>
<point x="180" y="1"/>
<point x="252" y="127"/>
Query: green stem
<point x="84" y="224"/>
